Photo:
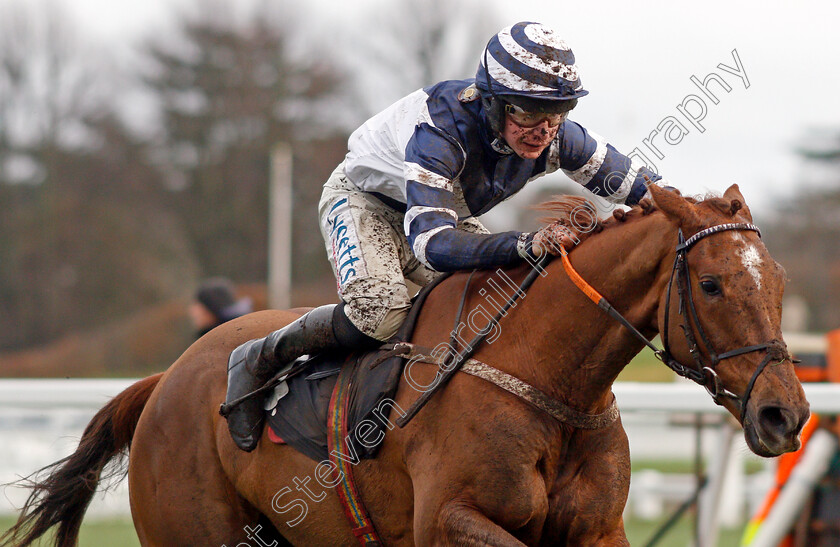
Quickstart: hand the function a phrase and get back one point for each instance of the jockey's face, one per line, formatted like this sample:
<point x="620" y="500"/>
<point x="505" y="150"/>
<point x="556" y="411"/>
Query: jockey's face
<point x="529" y="142"/>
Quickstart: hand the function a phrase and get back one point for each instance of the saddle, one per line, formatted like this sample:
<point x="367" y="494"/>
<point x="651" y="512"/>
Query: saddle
<point x="358" y="388"/>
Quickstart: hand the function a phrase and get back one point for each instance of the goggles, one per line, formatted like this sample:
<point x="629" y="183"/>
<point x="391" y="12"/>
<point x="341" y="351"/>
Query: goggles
<point x="526" y="119"/>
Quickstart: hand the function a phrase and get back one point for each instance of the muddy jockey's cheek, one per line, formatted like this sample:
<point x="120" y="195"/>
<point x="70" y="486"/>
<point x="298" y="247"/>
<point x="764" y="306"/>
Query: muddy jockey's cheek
<point x="529" y="143"/>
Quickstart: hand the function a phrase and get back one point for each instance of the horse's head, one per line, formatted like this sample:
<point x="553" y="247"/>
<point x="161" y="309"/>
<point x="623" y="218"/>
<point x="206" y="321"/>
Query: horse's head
<point x="720" y="317"/>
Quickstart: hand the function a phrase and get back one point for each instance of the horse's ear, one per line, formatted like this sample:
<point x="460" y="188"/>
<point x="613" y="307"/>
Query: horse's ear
<point x="674" y="206"/>
<point x="733" y="193"/>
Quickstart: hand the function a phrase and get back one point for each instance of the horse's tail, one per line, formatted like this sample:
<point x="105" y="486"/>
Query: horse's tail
<point x="62" y="491"/>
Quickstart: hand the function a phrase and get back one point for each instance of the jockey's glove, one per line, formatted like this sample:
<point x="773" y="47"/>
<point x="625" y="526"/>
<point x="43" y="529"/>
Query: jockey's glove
<point x="547" y="239"/>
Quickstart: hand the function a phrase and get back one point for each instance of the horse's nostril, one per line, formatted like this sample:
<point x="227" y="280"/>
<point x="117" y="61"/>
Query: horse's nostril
<point x="777" y="420"/>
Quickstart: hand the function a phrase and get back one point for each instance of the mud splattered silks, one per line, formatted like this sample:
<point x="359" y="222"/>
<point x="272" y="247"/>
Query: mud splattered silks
<point x="344" y="242"/>
<point x="433" y="156"/>
<point x="370" y="255"/>
<point x="402" y="204"/>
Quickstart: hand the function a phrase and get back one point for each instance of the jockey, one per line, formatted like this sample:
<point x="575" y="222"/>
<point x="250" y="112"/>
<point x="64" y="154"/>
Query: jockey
<point x="402" y="204"/>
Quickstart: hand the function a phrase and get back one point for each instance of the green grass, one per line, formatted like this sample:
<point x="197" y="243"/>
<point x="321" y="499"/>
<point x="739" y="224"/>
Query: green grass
<point x="95" y="533"/>
<point x="639" y="532"/>
<point x="751" y="465"/>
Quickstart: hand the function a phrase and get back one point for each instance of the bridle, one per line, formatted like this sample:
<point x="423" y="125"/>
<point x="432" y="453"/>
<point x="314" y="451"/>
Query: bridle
<point x="701" y="373"/>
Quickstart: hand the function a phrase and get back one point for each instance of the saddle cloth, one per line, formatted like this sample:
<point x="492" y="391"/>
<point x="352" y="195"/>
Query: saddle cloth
<point x="299" y="417"/>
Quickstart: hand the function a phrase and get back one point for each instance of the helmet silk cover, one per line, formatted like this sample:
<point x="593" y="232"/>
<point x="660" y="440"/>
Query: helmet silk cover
<point x="531" y="61"/>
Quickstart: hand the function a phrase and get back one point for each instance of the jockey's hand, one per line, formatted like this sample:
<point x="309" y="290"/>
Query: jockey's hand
<point x="549" y="239"/>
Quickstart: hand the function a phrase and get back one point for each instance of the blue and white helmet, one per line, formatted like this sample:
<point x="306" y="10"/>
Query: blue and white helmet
<point x="528" y="63"/>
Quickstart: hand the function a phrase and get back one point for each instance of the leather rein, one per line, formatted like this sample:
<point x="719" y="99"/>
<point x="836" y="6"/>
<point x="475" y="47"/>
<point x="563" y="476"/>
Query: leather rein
<point x="701" y="372"/>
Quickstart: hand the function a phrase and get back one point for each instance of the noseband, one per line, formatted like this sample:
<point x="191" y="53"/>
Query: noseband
<point x="701" y="372"/>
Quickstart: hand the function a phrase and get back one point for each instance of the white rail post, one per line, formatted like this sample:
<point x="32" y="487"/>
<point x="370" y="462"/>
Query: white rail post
<point x="711" y="499"/>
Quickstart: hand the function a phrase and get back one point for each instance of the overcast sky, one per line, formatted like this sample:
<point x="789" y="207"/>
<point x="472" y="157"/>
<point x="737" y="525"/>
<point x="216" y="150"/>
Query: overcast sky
<point x="637" y="60"/>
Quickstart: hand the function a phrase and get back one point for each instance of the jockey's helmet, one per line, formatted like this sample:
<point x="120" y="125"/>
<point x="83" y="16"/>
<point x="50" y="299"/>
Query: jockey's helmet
<point x="530" y="66"/>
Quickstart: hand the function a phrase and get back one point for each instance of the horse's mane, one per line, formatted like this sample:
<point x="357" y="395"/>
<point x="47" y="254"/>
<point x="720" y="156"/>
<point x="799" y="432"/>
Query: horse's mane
<point x="576" y="211"/>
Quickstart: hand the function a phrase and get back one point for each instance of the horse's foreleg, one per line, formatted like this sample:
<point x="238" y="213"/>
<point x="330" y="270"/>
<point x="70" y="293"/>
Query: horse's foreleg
<point x="459" y="524"/>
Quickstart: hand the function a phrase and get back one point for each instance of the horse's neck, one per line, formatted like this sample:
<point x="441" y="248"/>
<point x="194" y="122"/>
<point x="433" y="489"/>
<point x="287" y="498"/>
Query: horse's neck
<point x="574" y="351"/>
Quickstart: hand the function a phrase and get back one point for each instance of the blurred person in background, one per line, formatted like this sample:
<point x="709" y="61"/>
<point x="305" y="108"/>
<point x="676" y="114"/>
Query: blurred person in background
<point x="215" y="302"/>
<point x="402" y="205"/>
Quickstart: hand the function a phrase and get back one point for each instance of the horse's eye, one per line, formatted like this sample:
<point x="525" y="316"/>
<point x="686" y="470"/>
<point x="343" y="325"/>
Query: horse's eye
<point x="710" y="287"/>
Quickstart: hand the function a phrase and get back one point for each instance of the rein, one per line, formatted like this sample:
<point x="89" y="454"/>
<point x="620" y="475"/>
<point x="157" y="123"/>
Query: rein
<point x="701" y="373"/>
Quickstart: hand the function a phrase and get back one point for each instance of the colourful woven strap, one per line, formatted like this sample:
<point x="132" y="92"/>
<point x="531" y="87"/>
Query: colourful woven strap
<point x="354" y="509"/>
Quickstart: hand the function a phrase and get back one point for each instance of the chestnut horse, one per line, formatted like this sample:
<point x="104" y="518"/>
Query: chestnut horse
<point x="477" y="465"/>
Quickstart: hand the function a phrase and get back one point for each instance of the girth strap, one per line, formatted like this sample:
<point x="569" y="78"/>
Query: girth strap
<point x="351" y="501"/>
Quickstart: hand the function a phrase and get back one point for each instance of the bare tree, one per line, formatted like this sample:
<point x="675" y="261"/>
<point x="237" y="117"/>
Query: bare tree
<point x="803" y="231"/>
<point x="418" y="43"/>
<point x="231" y="85"/>
<point x="83" y="241"/>
<point x="53" y="88"/>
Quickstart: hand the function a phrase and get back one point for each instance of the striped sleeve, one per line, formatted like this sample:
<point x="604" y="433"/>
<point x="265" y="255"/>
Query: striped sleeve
<point x="590" y="161"/>
<point x="433" y="162"/>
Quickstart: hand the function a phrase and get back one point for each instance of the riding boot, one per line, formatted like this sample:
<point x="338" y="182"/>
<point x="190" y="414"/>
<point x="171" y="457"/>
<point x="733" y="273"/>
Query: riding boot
<point x="254" y="363"/>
